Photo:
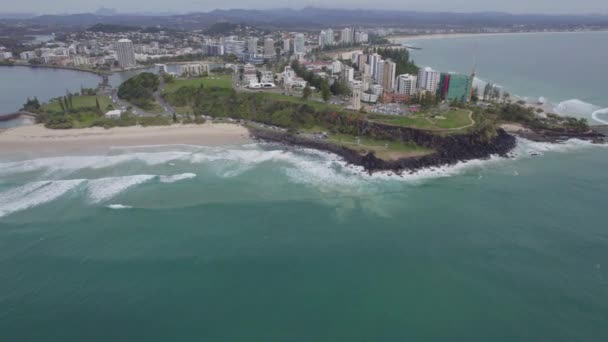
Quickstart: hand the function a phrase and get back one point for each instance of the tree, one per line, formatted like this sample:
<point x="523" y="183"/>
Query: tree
<point x="340" y="88"/>
<point x="486" y="91"/>
<point x="475" y="95"/>
<point x="506" y="97"/>
<point x="32" y="105"/>
<point x="70" y="101"/>
<point x="306" y="92"/>
<point x="325" y="92"/>
<point x="495" y="95"/>
<point x="168" y="78"/>
<point x="63" y="109"/>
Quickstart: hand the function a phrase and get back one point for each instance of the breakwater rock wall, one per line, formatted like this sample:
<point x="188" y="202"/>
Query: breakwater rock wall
<point x="449" y="149"/>
<point x="7" y="117"/>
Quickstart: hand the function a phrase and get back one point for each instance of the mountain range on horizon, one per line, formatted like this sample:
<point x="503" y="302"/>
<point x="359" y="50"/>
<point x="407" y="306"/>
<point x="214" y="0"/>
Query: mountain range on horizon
<point x="310" y="17"/>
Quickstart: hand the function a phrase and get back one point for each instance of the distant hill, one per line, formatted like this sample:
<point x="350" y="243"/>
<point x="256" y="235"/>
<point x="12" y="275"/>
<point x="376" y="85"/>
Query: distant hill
<point x="314" y="18"/>
<point x="112" y="28"/>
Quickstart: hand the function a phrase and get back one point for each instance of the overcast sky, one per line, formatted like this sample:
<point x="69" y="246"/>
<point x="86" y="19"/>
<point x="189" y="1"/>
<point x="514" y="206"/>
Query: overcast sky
<point x="182" y="6"/>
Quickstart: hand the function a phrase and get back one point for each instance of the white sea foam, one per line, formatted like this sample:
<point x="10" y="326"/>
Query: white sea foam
<point x="595" y="115"/>
<point x="34" y="194"/>
<point x="324" y="171"/>
<point x="101" y="190"/>
<point x="73" y="163"/>
<point x="575" y="106"/>
<point x="119" y="206"/>
<point x="581" y="109"/>
<point x="176" y="178"/>
<point x="97" y="190"/>
<point x="526" y="147"/>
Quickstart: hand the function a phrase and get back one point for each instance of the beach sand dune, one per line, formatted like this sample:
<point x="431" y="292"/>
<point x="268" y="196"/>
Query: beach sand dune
<point x="37" y="139"/>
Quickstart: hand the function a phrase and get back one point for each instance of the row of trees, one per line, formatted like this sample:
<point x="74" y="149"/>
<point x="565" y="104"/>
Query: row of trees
<point x="492" y="92"/>
<point x="338" y="87"/>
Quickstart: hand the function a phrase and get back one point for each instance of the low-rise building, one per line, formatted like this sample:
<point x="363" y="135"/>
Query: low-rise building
<point x="6" y="55"/>
<point x="114" y="114"/>
<point x="194" y="69"/>
<point x="27" y="55"/>
<point x="160" y="68"/>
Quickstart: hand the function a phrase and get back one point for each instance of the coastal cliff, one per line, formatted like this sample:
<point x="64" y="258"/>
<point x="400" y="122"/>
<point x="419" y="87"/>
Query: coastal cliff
<point x="449" y="149"/>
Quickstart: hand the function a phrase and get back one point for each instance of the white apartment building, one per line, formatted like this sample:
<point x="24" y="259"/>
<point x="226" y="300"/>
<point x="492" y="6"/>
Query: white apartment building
<point x="27" y="55"/>
<point x="377" y="89"/>
<point x="336" y="67"/>
<point x="361" y="37"/>
<point x="286" y="45"/>
<point x="252" y="45"/>
<point x="125" y="53"/>
<point x="379" y="72"/>
<point x="233" y="46"/>
<point x="80" y="60"/>
<point x="373" y="61"/>
<point x="299" y="45"/>
<point x="326" y="38"/>
<point x="348" y="74"/>
<point x="191" y="69"/>
<point x="346" y="36"/>
<point x="406" y="84"/>
<point x="5" y="55"/>
<point x="269" y="51"/>
<point x="428" y="79"/>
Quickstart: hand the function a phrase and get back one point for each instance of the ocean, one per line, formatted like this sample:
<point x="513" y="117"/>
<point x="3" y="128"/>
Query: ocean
<point x="567" y="70"/>
<point x="260" y="242"/>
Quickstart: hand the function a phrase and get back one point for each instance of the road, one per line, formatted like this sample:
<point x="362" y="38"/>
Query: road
<point x="123" y="105"/>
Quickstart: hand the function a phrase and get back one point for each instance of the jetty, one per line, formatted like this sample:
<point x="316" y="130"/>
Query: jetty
<point x="13" y="116"/>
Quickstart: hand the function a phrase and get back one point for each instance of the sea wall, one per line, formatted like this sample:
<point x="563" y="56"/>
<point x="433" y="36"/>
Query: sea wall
<point x="449" y="149"/>
<point x="7" y="117"/>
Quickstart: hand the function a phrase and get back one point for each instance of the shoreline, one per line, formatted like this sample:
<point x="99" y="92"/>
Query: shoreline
<point x="449" y="150"/>
<point x="36" y="140"/>
<point x="488" y="34"/>
<point x="43" y="66"/>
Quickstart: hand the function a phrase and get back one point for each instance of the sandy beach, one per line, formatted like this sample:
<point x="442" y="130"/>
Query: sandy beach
<point x="36" y="139"/>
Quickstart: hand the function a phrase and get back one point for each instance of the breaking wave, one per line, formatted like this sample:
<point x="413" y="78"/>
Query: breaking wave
<point x="176" y="178"/>
<point x="119" y="206"/>
<point x="325" y="172"/>
<point x="34" y="194"/>
<point x="595" y="116"/>
<point x="100" y="190"/>
<point x="97" y="190"/>
<point x="74" y="163"/>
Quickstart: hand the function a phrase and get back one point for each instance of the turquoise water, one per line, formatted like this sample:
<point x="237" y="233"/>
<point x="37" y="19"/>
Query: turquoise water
<point x="255" y="243"/>
<point x="18" y="83"/>
<point x="567" y="69"/>
<point x="260" y="243"/>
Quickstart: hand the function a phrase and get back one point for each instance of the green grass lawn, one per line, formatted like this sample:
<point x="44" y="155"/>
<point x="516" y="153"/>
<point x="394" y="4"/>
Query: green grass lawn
<point x="318" y="105"/>
<point x="383" y="149"/>
<point x="79" y="102"/>
<point x="453" y="119"/>
<point x="220" y="81"/>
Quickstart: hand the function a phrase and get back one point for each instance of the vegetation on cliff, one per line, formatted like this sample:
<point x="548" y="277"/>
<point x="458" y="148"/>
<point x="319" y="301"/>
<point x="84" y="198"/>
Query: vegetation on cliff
<point x="516" y="112"/>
